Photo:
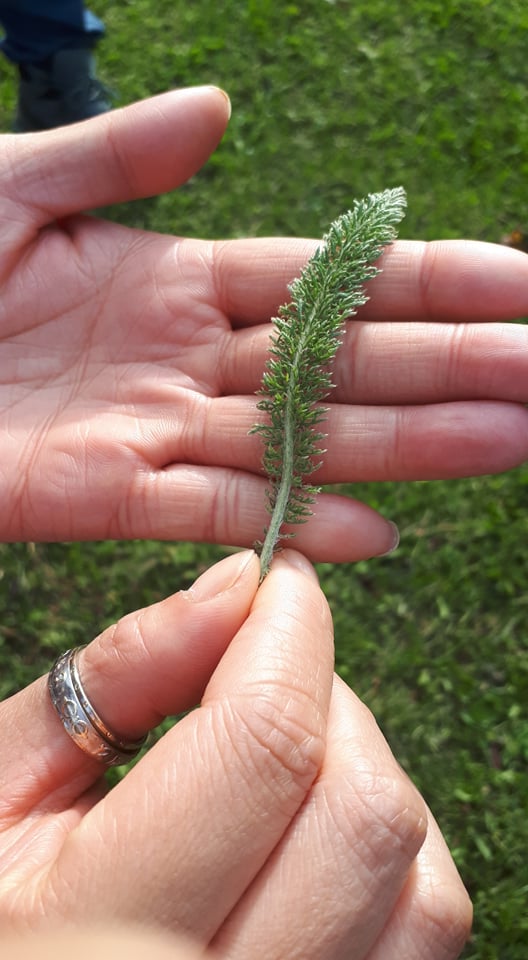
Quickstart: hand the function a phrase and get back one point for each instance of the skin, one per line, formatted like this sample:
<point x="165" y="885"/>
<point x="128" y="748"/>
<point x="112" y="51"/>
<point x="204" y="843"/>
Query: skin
<point x="129" y="360"/>
<point x="273" y="821"/>
<point x="105" y="943"/>
<point x="128" y="367"/>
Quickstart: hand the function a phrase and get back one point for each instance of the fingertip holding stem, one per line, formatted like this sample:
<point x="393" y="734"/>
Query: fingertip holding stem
<point x="224" y="575"/>
<point x="293" y="558"/>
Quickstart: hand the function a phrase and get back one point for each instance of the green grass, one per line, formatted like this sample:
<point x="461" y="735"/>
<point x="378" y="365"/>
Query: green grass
<point x="331" y="100"/>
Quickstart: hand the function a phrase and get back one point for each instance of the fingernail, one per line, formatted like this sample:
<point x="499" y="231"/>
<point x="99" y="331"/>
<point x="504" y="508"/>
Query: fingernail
<point x="212" y="86"/>
<point x="221" y="577"/>
<point x="224" y="94"/>
<point x="295" y="559"/>
<point x="395" y="540"/>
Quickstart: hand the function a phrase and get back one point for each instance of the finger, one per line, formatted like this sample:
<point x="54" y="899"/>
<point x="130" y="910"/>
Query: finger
<point x="187" y="502"/>
<point x="228" y="506"/>
<point x="450" y="280"/>
<point x="181" y="837"/>
<point x="425" y="443"/>
<point x="141" y="150"/>
<point x="401" y="363"/>
<point x="159" y="498"/>
<point x="442" y="280"/>
<point x="347" y="854"/>
<point x="365" y="442"/>
<point x="432" y="362"/>
<point x="432" y="919"/>
<point x="152" y="663"/>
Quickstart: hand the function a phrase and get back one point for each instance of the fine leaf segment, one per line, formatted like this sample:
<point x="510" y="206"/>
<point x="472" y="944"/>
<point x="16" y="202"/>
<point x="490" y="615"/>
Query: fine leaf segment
<point x="307" y="334"/>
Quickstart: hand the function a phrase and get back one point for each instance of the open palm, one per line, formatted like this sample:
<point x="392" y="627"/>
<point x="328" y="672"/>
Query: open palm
<point x="129" y="360"/>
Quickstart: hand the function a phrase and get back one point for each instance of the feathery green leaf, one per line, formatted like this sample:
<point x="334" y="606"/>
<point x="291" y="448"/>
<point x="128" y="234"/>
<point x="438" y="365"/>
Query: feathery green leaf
<point x="308" y="331"/>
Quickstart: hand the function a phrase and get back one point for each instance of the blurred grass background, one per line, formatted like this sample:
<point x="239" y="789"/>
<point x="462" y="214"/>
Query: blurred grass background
<point x="331" y="100"/>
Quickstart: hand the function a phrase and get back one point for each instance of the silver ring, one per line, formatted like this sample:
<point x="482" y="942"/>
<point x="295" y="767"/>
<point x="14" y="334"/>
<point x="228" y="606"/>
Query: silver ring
<point x="79" y="719"/>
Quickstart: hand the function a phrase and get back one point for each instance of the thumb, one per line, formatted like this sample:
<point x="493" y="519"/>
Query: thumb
<point x="141" y="150"/>
<point x="153" y="663"/>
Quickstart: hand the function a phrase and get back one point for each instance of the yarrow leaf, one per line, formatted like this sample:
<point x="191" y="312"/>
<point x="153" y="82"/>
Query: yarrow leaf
<point x="307" y="333"/>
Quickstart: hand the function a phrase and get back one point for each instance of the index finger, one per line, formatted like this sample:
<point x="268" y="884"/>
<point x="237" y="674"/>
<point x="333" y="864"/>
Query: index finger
<point x="210" y="801"/>
<point x="456" y="280"/>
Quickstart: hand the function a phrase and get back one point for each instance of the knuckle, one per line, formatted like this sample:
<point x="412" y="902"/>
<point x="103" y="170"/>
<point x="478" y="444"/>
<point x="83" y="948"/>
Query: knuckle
<point x="392" y="813"/>
<point x="379" y="808"/>
<point x="281" y="741"/>
<point x="447" y="917"/>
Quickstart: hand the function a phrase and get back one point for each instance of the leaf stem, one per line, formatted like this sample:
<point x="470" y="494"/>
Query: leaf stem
<point x="282" y="496"/>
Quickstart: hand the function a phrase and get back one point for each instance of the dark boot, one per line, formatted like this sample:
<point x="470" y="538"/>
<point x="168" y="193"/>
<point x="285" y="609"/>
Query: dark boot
<point x="58" y="91"/>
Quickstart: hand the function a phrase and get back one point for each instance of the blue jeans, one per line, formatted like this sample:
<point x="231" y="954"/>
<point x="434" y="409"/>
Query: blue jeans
<point x="37" y="29"/>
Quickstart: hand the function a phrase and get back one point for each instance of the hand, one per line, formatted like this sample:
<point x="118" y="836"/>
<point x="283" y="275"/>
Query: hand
<point x="105" y="944"/>
<point x="129" y="360"/>
<point x="271" y="822"/>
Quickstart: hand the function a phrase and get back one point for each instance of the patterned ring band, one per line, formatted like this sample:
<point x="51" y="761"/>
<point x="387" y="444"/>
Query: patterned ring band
<point x="78" y="717"/>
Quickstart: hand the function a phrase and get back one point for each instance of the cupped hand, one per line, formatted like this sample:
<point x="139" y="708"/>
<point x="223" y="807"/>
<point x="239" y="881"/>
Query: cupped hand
<point x="129" y="360"/>
<point x="272" y="821"/>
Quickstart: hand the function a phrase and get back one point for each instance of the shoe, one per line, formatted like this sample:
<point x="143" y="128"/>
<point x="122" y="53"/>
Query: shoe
<point x="60" y="90"/>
